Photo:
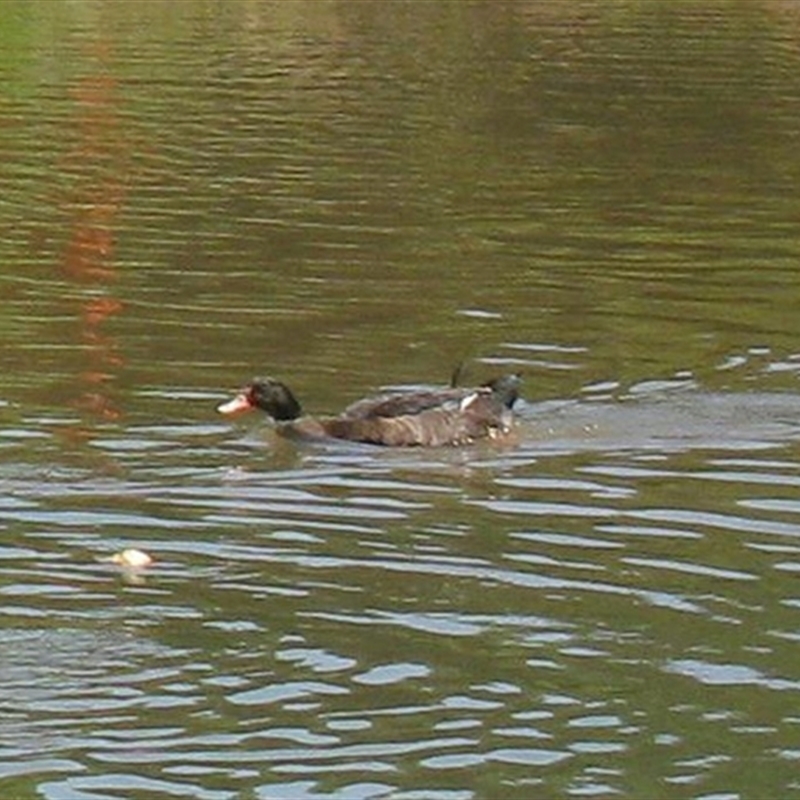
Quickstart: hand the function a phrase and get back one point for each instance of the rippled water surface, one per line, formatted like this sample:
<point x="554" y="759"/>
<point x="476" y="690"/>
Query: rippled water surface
<point x="360" y="195"/>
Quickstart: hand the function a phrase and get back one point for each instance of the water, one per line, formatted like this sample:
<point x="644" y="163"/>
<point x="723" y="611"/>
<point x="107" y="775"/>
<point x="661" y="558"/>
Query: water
<point x="352" y="196"/>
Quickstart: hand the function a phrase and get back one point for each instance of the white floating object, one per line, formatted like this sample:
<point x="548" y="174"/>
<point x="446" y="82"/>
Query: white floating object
<point x="132" y="558"/>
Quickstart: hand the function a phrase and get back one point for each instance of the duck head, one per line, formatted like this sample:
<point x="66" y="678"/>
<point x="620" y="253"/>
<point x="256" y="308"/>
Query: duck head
<point x="267" y="394"/>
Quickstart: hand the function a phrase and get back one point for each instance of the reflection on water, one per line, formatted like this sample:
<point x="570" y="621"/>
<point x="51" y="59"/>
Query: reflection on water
<point x="92" y="205"/>
<point x="352" y="196"/>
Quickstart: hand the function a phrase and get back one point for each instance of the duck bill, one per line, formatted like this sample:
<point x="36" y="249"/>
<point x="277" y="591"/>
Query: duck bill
<point x="238" y="404"/>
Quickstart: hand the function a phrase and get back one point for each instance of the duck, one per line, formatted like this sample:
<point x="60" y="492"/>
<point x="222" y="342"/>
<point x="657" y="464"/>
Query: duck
<point x="430" y="418"/>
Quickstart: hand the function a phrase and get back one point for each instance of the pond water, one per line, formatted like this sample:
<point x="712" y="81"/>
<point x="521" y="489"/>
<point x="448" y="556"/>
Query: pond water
<point x="359" y="195"/>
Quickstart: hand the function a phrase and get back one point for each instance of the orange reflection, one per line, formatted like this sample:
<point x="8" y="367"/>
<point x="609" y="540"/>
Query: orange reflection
<point x="97" y="160"/>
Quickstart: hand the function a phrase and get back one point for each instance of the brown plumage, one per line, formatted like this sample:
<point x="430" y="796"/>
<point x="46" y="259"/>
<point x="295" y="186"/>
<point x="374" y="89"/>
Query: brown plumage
<point x="453" y="416"/>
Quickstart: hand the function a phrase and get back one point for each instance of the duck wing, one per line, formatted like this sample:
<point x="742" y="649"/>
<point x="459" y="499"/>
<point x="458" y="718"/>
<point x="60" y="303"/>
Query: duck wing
<point x="503" y="390"/>
<point x="403" y="404"/>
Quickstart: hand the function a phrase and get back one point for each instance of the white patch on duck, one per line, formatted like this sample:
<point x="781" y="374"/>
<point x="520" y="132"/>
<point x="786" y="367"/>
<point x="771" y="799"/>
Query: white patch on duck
<point x="468" y="401"/>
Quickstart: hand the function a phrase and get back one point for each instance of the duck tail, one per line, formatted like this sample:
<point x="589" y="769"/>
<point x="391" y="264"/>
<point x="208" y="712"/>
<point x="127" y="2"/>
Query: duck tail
<point x="455" y="377"/>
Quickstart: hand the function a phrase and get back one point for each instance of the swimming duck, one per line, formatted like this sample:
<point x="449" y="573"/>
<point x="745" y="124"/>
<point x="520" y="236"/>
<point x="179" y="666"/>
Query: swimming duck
<point x="452" y="416"/>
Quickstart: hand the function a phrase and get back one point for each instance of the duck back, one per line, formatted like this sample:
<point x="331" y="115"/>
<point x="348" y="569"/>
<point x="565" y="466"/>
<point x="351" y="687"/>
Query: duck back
<point x="462" y="418"/>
